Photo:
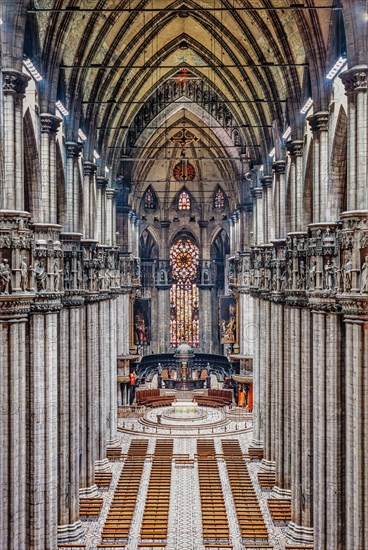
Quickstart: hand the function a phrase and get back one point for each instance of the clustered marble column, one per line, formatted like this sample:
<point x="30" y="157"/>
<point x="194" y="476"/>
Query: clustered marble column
<point x="58" y="336"/>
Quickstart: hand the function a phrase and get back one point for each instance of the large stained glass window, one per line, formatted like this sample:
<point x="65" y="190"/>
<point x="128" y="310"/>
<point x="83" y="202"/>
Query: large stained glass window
<point x="184" y="294"/>
<point x="184" y="201"/>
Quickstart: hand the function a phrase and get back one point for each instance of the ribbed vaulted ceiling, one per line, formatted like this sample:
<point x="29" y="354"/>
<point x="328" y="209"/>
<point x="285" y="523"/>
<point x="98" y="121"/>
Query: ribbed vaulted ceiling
<point x="249" y="63"/>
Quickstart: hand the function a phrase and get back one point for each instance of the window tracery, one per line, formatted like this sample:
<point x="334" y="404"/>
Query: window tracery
<point x="184" y="294"/>
<point x="184" y="201"/>
<point x="219" y="200"/>
<point x="149" y="200"/>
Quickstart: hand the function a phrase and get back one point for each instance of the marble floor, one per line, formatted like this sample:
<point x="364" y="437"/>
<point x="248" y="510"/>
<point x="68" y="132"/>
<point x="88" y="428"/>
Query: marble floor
<point x="184" y="522"/>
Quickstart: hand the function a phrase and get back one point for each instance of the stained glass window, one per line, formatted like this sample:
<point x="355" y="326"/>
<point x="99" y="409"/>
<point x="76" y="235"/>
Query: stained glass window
<point x="184" y="294"/>
<point x="184" y="201"/>
<point x="219" y="199"/>
<point x="149" y="200"/>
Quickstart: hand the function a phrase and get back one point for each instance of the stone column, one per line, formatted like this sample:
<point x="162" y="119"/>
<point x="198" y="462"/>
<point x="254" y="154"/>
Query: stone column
<point x="101" y="208"/>
<point x="257" y="440"/>
<point x="247" y="329"/>
<point x="72" y="212"/>
<point x="12" y="186"/>
<point x="295" y="149"/>
<point x="163" y="294"/>
<point x="110" y="209"/>
<point x="70" y="528"/>
<point x="88" y="487"/>
<point x="13" y="319"/>
<point x="258" y="219"/>
<point x="122" y="304"/>
<point x="112" y="366"/>
<point x="300" y="529"/>
<point x="268" y="462"/>
<point x="205" y="290"/>
<point x="283" y="471"/>
<point x="319" y="125"/>
<point x="267" y="208"/>
<point x="49" y="127"/>
<point x="102" y="462"/>
<point x="356" y="85"/>
<point x="305" y="529"/>
<point x="42" y="429"/>
<point x="355" y="310"/>
<point x="279" y="198"/>
<point x="90" y="213"/>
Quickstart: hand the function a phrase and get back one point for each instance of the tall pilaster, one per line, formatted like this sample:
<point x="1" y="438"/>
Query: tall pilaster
<point x="295" y="149"/>
<point x="110" y="216"/>
<point x="356" y="85"/>
<point x="73" y="191"/>
<point x="279" y="198"/>
<point x="89" y="199"/>
<point x="319" y="125"/>
<point x="49" y="127"/>
<point x="267" y="209"/>
<point x="257" y="440"/>
<point x="13" y="452"/>
<point x="12" y="187"/>
<point x="268" y="461"/>
<point x="258" y="218"/>
<point x="70" y="528"/>
<point x="101" y="208"/>
<point x="102" y="462"/>
<point x="112" y="367"/>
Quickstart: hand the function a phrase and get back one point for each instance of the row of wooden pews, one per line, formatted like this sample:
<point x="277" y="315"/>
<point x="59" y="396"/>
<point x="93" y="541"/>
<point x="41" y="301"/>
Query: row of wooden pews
<point x="280" y="510"/>
<point x="267" y="480"/>
<point x="117" y="525"/>
<point x="214" y="518"/>
<point x="156" y="511"/>
<point x="90" y="508"/>
<point x="250" y="518"/>
<point x="103" y="480"/>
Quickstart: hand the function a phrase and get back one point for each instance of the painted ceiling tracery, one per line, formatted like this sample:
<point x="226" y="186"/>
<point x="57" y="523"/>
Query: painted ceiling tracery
<point x="139" y="70"/>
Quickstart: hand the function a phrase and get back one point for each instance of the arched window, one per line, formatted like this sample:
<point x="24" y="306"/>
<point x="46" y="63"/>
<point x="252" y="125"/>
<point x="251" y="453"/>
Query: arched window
<point x="184" y="294"/>
<point x="219" y="200"/>
<point x="184" y="201"/>
<point x="149" y="199"/>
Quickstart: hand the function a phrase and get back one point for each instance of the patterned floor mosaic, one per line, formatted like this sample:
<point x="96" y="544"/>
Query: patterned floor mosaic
<point x="185" y="521"/>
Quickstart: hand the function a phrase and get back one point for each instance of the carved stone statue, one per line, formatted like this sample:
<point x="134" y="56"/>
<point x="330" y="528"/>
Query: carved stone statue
<point x="346" y="272"/>
<point x="4" y="276"/>
<point x="364" y="277"/>
<point x="23" y="273"/>
<point x="41" y="276"/>
<point x="313" y="275"/>
<point x="56" y="277"/>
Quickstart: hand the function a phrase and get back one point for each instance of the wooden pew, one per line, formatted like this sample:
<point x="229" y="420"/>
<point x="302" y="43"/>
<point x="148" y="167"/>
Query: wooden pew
<point x="215" y="528"/>
<point x="156" y="511"/>
<point x="251" y="522"/>
<point x="117" y="525"/>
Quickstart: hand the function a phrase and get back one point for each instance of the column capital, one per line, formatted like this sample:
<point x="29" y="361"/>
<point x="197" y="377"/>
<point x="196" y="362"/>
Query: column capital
<point x="14" y="82"/>
<point x="101" y="182"/>
<point x="355" y="79"/>
<point x="266" y="182"/>
<point x="49" y="123"/>
<point x="89" y="168"/>
<point x="73" y="149"/>
<point x="319" y="121"/>
<point x="295" y="147"/>
<point x="279" y="166"/>
<point x="110" y="193"/>
<point x="257" y="192"/>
